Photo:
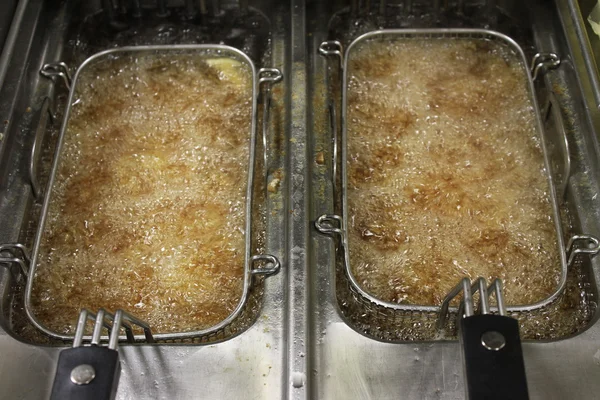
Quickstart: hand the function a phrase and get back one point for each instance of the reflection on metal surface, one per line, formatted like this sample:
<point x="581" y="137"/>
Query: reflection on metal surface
<point x="83" y="374"/>
<point x="493" y="340"/>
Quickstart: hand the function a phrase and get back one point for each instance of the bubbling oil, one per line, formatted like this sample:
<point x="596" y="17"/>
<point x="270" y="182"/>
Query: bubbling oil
<point x="148" y="207"/>
<point x="446" y="175"/>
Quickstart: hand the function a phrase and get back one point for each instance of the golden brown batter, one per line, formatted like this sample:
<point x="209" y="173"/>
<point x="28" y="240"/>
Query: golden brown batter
<point x="446" y="174"/>
<point x="148" y="209"/>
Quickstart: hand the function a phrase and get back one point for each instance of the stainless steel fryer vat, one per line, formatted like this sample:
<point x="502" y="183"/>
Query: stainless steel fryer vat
<point x="261" y="77"/>
<point x="333" y="224"/>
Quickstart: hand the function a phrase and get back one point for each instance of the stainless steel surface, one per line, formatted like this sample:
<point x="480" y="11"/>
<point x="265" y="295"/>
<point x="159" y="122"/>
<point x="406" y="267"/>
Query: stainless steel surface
<point x="11" y="34"/>
<point x="251" y="365"/>
<point x="587" y="41"/>
<point x="300" y="342"/>
<point x="301" y="346"/>
<point x="351" y="365"/>
<point x="7" y="10"/>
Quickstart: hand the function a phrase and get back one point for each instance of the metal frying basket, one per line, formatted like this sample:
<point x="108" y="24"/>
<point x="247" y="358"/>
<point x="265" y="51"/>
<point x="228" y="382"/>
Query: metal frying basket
<point x="336" y="225"/>
<point x="269" y="264"/>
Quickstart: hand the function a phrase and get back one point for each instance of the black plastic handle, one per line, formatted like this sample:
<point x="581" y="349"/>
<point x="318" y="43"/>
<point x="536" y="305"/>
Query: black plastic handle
<point x="89" y="373"/>
<point x="493" y="358"/>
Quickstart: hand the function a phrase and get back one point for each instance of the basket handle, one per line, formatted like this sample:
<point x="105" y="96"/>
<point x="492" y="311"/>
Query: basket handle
<point x="493" y="358"/>
<point x="333" y="48"/>
<point x="45" y="117"/>
<point x="17" y="254"/>
<point x="491" y="343"/>
<point x="57" y="70"/>
<point x="334" y="128"/>
<point x="542" y="62"/>
<point x="266" y="78"/>
<point x="553" y="108"/>
<point x="51" y="71"/>
<point x="582" y="244"/>
<point x="92" y="372"/>
<point x="330" y="224"/>
<point x="272" y="266"/>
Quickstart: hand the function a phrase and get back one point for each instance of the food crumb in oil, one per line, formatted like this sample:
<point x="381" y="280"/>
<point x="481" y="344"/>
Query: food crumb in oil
<point x="320" y="158"/>
<point x="273" y="185"/>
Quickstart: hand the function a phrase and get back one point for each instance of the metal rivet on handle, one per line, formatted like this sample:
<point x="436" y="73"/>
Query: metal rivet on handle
<point x="493" y="340"/>
<point x="83" y="374"/>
